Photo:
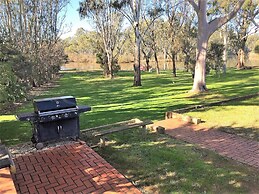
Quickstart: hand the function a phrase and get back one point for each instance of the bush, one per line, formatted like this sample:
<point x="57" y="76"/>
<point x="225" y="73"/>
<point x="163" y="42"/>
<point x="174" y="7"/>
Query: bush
<point x="10" y="87"/>
<point x="101" y="58"/>
<point x="214" y="57"/>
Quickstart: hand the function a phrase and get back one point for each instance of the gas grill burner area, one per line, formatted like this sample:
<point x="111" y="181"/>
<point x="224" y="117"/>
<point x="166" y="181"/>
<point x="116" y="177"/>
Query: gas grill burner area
<point x="54" y="119"/>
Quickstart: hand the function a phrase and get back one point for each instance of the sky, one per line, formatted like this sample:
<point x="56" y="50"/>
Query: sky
<point x="72" y="19"/>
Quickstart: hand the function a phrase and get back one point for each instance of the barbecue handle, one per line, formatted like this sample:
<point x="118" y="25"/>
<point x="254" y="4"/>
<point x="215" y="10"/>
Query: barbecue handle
<point x="59" y="128"/>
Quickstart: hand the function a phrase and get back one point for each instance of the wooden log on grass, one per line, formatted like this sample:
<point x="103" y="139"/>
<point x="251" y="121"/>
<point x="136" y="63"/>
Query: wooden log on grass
<point x="121" y="128"/>
<point x="110" y="125"/>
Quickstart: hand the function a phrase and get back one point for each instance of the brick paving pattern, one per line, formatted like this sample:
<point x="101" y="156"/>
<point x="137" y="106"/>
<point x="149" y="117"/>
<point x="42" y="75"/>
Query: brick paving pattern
<point x="229" y="145"/>
<point x="6" y="182"/>
<point x="71" y="168"/>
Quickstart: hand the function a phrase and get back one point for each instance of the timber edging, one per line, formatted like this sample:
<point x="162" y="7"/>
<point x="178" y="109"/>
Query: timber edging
<point x="184" y="110"/>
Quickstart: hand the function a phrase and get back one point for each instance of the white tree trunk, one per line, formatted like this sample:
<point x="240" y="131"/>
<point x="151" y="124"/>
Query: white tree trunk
<point x="225" y="41"/>
<point x="199" y="84"/>
<point x="205" y="30"/>
<point x="137" y="72"/>
<point x="110" y="63"/>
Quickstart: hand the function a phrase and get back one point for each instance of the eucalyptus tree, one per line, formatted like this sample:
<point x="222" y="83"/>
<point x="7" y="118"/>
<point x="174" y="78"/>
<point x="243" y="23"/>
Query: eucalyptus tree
<point x="154" y="10"/>
<point x="30" y="43"/>
<point x="242" y="26"/>
<point x="206" y="29"/>
<point x="176" y="16"/>
<point x="188" y="42"/>
<point x="108" y="23"/>
<point x="33" y="28"/>
<point x="132" y="10"/>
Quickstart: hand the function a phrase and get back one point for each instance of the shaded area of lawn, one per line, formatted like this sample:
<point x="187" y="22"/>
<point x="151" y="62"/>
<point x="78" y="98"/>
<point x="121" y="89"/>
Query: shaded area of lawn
<point x="155" y="163"/>
<point x="241" y="117"/>
<point x="159" y="164"/>
<point x="116" y="100"/>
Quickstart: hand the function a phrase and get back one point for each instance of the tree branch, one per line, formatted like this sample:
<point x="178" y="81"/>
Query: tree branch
<point x="218" y="22"/>
<point x="194" y="5"/>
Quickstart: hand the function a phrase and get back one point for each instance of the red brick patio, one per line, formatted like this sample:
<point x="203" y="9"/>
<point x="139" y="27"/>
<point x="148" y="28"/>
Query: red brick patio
<point x="71" y="168"/>
<point x="229" y="145"/>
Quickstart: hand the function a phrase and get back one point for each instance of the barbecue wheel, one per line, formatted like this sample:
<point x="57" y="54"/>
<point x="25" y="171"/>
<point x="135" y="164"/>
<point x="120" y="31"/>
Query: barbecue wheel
<point x="39" y="146"/>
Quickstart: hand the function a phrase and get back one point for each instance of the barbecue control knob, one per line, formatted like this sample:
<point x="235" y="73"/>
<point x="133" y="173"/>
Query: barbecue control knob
<point x="52" y="117"/>
<point x="66" y="115"/>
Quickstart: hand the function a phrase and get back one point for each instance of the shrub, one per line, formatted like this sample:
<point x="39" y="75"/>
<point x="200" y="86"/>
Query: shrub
<point x="214" y="57"/>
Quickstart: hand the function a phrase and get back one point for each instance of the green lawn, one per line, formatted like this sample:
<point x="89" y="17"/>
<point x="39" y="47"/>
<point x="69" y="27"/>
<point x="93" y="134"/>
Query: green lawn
<point x="116" y="100"/>
<point x="159" y="164"/>
<point x="241" y="117"/>
<point x="156" y="163"/>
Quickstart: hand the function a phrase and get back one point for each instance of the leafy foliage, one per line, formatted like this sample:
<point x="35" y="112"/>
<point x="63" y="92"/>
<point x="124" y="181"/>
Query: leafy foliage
<point x="11" y="87"/>
<point x="214" y="58"/>
<point x="257" y="49"/>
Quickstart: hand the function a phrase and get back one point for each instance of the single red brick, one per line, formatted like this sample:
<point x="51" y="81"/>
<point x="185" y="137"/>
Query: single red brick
<point x="107" y="187"/>
<point x="60" y="180"/>
<point x="32" y="189"/>
<point x="52" y="185"/>
<point x="87" y="183"/>
<point x="41" y="190"/>
<point x="24" y="189"/>
<point x="60" y="187"/>
<point x="79" y="190"/>
<point x="79" y="183"/>
<point x="69" y="181"/>
<point x="89" y="190"/>
<point x="69" y="188"/>
<point x="34" y="183"/>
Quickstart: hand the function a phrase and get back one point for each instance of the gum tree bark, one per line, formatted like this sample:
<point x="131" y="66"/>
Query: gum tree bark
<point x="137" y="72"/>
<point x="205" y="30"/>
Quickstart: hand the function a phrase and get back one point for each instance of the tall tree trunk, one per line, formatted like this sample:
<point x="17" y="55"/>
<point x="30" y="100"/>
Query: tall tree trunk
<point x="205" y="30"/>
<point x="240" y="59"/>
<point x="110" y="63"/>
<point x="165" y="59"/>
<point x="137" y="72"/>
<point x="199" y="84"/>
<point x="225" y="41"/>
<point x="174" y="64"/>
<point x="157" y="65"/>
<point x="147" y="63"/>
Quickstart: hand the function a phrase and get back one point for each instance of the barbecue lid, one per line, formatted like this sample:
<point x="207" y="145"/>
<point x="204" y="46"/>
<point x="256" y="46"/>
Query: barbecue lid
<point x="56" y="103"/>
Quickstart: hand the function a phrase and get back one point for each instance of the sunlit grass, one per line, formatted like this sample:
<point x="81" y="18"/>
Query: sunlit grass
<point x="157" y="163"/>
<point x="116" y="100"/>
<point x="4" y="118"/>
<point x="240" y="118"/>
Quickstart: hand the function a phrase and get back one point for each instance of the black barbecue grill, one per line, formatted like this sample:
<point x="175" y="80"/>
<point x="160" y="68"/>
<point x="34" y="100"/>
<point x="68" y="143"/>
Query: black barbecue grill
<point x="54" y="118"/>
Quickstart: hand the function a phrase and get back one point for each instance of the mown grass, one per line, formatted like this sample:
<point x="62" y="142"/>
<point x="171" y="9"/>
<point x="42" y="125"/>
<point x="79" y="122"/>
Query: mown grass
<point x="241" y="117"/>
<point x="155" y="163"/>
<point x="159" y="164"/>
<point x="116" y="100"/>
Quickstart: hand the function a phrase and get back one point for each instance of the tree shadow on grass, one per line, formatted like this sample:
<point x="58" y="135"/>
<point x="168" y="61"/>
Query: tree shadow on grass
<point x="250" y="133"/>
<point x="157" y="163"/>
